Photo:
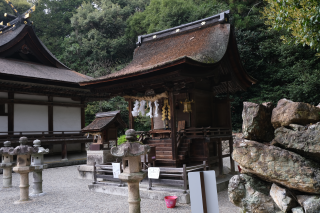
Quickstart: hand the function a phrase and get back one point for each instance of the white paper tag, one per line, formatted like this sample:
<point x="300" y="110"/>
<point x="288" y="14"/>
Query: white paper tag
<point x="153" y="172"/>
<point x="116" y="170"/>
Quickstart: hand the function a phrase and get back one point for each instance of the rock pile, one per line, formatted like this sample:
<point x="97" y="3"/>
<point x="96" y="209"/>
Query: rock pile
<point x="279" y="156"/>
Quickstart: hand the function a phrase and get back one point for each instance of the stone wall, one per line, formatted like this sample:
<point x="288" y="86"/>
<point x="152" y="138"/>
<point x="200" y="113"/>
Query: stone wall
<point x="280" y="167"/>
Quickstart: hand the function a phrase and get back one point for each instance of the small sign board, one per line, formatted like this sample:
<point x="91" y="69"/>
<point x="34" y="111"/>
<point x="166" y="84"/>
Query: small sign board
<point x="203" y="192"/>
<point x="116" y="170"/>
<point x="153" y="172"/>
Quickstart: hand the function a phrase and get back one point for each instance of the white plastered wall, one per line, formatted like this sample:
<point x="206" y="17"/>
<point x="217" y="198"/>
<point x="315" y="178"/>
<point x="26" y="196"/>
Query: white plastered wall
<point x="67" y="119"/>
<point x="3" y="95"/>
<point x="3" y="124"/>
<point x="4" y="119"/>
<point x="30" y="117"/>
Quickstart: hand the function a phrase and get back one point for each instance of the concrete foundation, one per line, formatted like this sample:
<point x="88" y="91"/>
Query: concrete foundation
<point x="100" y="157"/>
<point x="144" y="192"/>
<point x="183" y="198"/>
<point x="85" y="172"/>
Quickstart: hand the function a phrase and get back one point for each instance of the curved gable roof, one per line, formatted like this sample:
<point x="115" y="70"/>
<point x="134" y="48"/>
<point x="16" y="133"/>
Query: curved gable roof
<point x="208" y="42"/>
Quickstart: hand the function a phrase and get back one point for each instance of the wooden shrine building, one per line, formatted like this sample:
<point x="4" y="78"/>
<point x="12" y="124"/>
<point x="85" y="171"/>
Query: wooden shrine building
<point x="104" y="129"/>
<point x="182" y="74"/>
<point x="39" y="96"/>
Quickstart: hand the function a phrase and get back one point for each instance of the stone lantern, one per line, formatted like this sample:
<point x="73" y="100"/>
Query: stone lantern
<point x="23" y="167"/>
<point x="7" y="164"/>
<point x="131" y="152"/>
<point x="37" y="162"/>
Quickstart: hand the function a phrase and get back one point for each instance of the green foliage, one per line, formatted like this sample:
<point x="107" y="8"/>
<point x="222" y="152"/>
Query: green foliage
<point x="52" y="22"/>
<point x="122" y="139"/>
<point x="163" y="14"/>
<point x="282" y="70"/>
<point x="300" y="17"/>
<point x="97" y="45"/>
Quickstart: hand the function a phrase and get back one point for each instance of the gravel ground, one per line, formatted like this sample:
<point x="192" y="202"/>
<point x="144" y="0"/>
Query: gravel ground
<point x="66" y="193"/>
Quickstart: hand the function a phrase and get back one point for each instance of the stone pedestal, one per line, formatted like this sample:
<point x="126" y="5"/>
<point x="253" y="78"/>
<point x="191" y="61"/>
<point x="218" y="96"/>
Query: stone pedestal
<point x="133" y="180"/>
<point x="23" y="167"/>
<point x="7" y="164"/>
<point x="131" y="152"/>
<point x="100" y="157"/>
<point x="37" y="162"/>
<point x="24" y="182"/>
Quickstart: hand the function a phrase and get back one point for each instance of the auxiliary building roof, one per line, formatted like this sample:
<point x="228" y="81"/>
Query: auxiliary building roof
<point x="102" y="120"/>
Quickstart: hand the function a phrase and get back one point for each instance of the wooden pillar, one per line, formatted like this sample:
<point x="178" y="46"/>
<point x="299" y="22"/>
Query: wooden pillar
<point x="173" y="126"/>
<point x="83" y="124"/>
<point x="50" y="114"/>
<point x="232" y="166"/>
<point x="50" y="119"/>
<point x="220" y="157"/>
<point x="131" y="118"/>
<point x="10" y="113"/>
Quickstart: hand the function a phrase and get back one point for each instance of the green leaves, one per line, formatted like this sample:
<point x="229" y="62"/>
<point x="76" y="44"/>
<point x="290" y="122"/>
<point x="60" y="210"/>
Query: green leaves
<point x="301" y="18"/>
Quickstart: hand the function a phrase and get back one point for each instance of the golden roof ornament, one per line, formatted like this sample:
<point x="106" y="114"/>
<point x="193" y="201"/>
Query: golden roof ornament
<point x="18" y="19"/>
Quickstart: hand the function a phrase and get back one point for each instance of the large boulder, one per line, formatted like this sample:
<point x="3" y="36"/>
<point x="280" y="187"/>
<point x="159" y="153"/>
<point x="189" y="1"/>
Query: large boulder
<point x="304" y="141"/>
<point x="277" y="165"/>
<point x="283" y="198"/>
<point x="257" y="121"/>
<point x="311" y="204"/>
<point x="297" y="210"/>
<point x="289" y="112"/>
<point x="251" y="194"/>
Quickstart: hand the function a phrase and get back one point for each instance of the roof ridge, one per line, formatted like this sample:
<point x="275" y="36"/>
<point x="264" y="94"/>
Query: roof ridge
<point x="219" y="18"/>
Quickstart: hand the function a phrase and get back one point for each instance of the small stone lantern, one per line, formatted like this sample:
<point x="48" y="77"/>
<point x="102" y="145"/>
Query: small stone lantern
<point x="131" y="152"/>
<point x="37" y="162"/>
<point x="23" y="167"/>
<point x="7" y="164"/>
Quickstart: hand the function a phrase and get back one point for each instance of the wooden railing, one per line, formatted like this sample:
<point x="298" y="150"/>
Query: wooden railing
<point x="175" y="177"/>
<point x="42" y="135"/>
<point x="203" y="133"/>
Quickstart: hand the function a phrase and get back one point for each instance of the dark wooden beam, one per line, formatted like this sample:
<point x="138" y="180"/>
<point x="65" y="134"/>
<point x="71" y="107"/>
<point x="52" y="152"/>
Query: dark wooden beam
<point x="83" y="116"/>
<point x="10" y="112"/>
<point x="36" y="102"/>
<point x="50" y="114"/>
<point x="173" y="126"/>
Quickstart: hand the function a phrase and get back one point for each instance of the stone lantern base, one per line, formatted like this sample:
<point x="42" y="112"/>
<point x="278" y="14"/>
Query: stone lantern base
<point x="24" y="182"/>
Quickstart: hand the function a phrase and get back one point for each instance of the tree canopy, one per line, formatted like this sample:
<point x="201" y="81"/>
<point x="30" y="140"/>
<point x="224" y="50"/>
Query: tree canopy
<point x="300" y="17"/>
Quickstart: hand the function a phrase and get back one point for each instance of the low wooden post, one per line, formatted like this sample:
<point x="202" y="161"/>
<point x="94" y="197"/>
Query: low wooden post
<point x="220" y="157"/>
<point x="185" y="178"/>
<point x="149" y="179"/>
<point x="94" y="173"/>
